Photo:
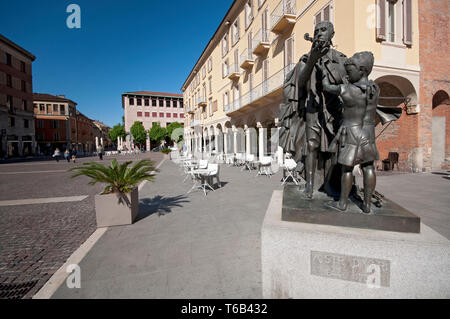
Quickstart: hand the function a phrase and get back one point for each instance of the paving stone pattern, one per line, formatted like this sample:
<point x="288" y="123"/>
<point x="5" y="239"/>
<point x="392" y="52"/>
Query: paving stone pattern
<point x="36" y="240"/>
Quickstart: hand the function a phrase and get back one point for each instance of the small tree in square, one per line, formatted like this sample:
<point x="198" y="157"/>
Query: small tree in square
<point x="117" y="131"/>
<point x="157" y="133"/>
<point x="175" y="132"/>
<point x="139" y="133"/>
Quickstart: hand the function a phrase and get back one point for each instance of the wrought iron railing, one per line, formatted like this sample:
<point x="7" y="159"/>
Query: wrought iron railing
<point x="233" y="68"/>
<point x="246" y="55"/>
<point x="195" y="123"/>
<point x="201" y="99"/>
<point x="283" y="7"/>
<point x="262" y="36"/>
<point x="265" y="87"/>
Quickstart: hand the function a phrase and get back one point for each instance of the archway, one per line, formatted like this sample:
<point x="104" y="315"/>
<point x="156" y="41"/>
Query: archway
<point x="440" y="130"/>
<point x="399" y="136"/>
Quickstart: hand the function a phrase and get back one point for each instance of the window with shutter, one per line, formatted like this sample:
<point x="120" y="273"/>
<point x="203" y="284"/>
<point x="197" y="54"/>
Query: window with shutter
<point x="265" y="70"/>
<point x="248" y="13"/>
<point x="407" y="22"/>
<point x="318" y="18"/>
<point x="381" y="20"/>
<point x="264" y="20"/>
<point x="391" y="21"/>
<point x="326" y="13"/>
<point x="289" y="51"/>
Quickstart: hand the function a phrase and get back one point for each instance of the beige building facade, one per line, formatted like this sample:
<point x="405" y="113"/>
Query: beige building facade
<point x="234" y="90"/>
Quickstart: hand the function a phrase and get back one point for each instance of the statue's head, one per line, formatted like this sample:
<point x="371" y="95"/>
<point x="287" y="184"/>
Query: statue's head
<point x="324" y="31"/>
<point x="359" y="65"/>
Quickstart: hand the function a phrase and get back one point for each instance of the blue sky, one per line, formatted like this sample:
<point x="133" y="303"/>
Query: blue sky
<point x="122" y="46"/>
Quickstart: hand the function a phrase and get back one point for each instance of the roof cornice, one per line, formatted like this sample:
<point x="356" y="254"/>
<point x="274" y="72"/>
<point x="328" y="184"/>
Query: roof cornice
<point x="215" y="37"/>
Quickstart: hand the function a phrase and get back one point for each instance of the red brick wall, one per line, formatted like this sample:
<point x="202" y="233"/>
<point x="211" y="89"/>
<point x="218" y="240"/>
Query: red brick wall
<point x="434" y="64"/>
<point x="48" y="132"/>
<point x="401" y="137"/>
<point x="444" y="111"/>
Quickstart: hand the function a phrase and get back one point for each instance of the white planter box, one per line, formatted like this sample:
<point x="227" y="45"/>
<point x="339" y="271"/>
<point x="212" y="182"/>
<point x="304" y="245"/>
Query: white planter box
<point x="117" y="209"/>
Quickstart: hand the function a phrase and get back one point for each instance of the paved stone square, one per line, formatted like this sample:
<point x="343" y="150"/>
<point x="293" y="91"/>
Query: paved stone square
<point x="196" y="246"/>
<point x="36" y="239"/>
<point x="181" y="246"/>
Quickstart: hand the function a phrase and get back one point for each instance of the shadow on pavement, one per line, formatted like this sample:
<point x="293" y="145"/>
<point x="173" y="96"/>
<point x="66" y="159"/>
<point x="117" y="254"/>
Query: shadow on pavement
<point x="159" y="204"/>
<point x="446" y="175"/>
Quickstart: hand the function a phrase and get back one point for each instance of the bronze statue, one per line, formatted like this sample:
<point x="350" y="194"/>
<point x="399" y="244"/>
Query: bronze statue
<point x="309" y="116"/>
<point x="326" y="119"/>
<point x="355" y="139"/>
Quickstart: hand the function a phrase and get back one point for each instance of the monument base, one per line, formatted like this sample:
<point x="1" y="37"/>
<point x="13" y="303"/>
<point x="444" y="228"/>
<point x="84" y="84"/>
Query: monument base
<point x="303" y="260"/>
<point x="390" y="217"/>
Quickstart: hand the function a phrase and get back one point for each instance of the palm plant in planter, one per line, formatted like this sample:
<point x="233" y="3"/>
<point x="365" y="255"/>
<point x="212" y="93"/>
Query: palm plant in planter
<point x="118" y="204"/>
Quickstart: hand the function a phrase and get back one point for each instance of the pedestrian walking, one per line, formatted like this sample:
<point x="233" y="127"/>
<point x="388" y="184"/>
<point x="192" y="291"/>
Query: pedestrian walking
<point x="100" y="152"/>
<point x="74" y="155"/>
<point x="67" y="155"/>
<point x="57" y="154"/>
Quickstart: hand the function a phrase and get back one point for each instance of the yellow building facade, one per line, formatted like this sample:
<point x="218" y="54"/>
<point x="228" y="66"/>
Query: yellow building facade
<point x="234" y="90"/>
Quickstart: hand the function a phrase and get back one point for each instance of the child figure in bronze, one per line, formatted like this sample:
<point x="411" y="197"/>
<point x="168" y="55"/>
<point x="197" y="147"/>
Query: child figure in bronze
<point x="355" y="140"/>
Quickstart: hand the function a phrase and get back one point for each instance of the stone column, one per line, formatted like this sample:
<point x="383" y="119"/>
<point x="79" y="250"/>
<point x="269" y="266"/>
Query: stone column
<point x="101" y="141"/>
<point x="216" y="140"/>
<point x="96" y="142"/>
<point x="247" y="140"/>
<point x="225" y="142"/>
<point x="261" y="140"/>
<point x="234" y="139"/>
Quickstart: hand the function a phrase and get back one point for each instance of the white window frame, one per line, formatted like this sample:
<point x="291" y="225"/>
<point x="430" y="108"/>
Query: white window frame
<point x="286" y="62"/>
<point x="248" y="12"/>
<point x="209" y="64"/>
<point x="210" y="84"/>
<point x="225" y="68"/>
<point x="235" y="32"/>
<point x="225" y="44"/>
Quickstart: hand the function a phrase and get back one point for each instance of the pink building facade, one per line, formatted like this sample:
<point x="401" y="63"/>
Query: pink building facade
<point x="151" y="107"/>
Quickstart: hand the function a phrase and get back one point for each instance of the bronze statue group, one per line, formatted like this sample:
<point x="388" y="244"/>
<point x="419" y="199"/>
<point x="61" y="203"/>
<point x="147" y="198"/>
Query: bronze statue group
<point x="328" y="118"/>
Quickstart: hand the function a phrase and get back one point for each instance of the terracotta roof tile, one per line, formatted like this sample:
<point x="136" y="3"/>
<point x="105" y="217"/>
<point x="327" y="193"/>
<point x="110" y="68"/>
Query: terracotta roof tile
<point x="50" y="98"/>
<point x="156" y="93"/>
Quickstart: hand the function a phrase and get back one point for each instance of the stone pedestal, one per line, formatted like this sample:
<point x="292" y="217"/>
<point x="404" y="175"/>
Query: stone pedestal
<point x="303" y="260"/>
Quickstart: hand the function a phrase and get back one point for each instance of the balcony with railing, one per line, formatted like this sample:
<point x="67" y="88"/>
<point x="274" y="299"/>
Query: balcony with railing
<point x="283" y="16"/>
<point x="269" y="88"/>
<point x="190" y="109"/>
<point x="194" y="123"/>
<point x="233" y="72"/>
<point x="201" y="101"/>
<point x="246" y="59"/>
<point x="261" y="42"/>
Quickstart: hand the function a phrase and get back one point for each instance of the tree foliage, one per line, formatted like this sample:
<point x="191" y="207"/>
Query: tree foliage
<point x="139" y="133"/>
<point x="175" y="132"/>
<point x="117" y="131"/>
<point x="157" y="133"/>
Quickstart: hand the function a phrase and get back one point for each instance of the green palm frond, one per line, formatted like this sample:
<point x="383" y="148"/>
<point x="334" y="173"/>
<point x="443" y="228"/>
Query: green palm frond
<point x="119" y="178"/>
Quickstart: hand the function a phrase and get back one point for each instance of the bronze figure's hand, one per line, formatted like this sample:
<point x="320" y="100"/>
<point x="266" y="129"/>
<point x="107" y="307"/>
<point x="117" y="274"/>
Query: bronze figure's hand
<point x="319" y="49"/>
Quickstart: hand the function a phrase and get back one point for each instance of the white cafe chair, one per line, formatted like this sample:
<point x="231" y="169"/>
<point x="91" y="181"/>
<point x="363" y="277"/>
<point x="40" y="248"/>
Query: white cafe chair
<point x="289" y="171"/>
